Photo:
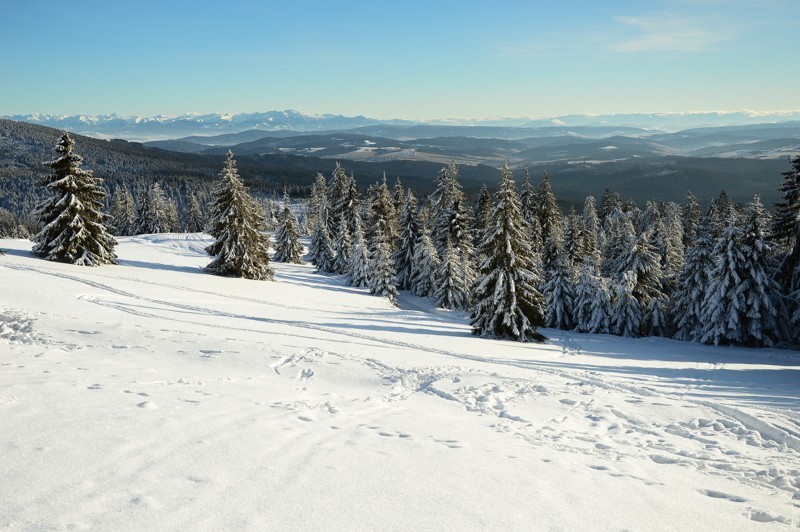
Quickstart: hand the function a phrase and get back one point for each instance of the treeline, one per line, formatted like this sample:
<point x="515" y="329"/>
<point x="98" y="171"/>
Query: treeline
<point x="724" y="275"/>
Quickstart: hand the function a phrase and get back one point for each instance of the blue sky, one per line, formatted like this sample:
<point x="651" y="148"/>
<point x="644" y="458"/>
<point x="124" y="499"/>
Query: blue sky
<point x="409" y="59"/>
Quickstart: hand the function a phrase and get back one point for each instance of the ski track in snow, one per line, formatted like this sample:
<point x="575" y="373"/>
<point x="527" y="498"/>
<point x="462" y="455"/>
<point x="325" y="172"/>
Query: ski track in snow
<point x="572" y="411"/>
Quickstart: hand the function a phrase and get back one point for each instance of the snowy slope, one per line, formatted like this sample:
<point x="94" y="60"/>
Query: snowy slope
<point x="150" y="395"/>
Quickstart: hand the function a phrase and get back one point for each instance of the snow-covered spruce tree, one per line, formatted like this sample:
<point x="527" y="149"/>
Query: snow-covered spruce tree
<point x="73" y="224"/>
<point x="527" y="198"/>
<point x="288" y="247"/>
<point x="399" y="200"/>
<point x="382" y="276"/>
<point x="506" y="301"/>
<point x="642" y="261"/>
<point x="608" y="202"/>
<point x="548" y="211"/>
<point x="349" y="205"/>
<point x="337" y="191"/>
<point x="358" y="275"/>
<point x="426" y="265"/>
<point x="693" y="282"/>
<point x="586" y="284"/>
<point x="452" y="289"/>
<point x="590" y="224"/>
<point x="123" y="212"/>
<point x="600" y="309"/>
<point x="656" y="316"/>
<point x="382" y="216"/>
<point x="669" y="236"/>
<point x="766" y="315"/>
<point x="626" y="312"/>
<point x="447" y="197"/>
<point x="723" y="214"/>
<point x="318" y="205"/>
<point x="195" y="220"/>
<point x="620" y="236"/>
<point x="573" y="241"/>
<point x="690" y="217"/>
<point x="151" y="215"/>
<point x="240" y="248"/>
<point x="172" y="217"/>
<point x="409" y="236"/>
<point x="785" y="226"/>
<point x="343" y="247"/>
<point x="560" y="293"/>
<point x="322" y="253"/>
<point x="483" y="215"/>
<point x="724" y="305"/>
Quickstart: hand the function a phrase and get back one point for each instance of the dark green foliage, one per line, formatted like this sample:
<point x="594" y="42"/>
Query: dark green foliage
<point x="240" y="248"/>
<point x="73" y="224"/>
<point x="409" y="236"/>
<point x="287" y="238"/>
<point x="507" y="303"/>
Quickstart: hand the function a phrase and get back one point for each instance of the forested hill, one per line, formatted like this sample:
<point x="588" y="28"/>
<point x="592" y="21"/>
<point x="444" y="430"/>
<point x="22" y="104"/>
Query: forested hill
<point x="24" y="147"/>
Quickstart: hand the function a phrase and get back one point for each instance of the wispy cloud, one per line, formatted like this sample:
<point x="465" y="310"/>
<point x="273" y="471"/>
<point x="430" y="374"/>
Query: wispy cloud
<point x="667" y="34"/>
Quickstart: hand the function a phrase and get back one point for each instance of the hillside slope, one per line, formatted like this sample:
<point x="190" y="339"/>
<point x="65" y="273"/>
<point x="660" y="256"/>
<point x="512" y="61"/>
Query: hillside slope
<point x="151" y="395"/>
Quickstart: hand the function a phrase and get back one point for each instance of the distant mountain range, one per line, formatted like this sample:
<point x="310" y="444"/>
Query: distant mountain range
<point x="641" y="165"/>
<point x="170" y="127"/>
<point x="522" y="146"/>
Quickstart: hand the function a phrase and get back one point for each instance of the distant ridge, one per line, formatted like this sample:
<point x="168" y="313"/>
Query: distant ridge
<point x="163" y="127"/>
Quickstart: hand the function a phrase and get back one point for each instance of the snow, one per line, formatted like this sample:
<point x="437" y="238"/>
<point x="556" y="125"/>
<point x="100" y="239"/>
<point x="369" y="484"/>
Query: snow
<point x="151" y="395"/>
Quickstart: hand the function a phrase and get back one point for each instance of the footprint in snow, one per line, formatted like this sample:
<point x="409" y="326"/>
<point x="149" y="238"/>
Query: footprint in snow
<point x="147" y="405"/>
<point x="720" y="495"/>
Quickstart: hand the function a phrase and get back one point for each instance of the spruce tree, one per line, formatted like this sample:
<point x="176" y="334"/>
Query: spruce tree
<point x="452" y="289"/>
<point x="447" y="198"/>
<point x="343" y="247"/>
<point x="382" y="275"/>
<point x="195" y="219"/>
<point x="626" y="313"/>
<point x="693" y="283"/>
<point x="600" y="309"/>
<point x="123" y="213"/>
<point x="590" y="232"/>
<point x="319" y="205"/>
<point x="507" y="303"/>
<point x="426" y="265"/>
<point x="560" y="293"/>
<point x="548" y="211"/>
<point x="358" y="275"/>
<point x="337" y="197"/>
<point x="766" y="315"/>
<point x="483" y="215"/>
<point x="288" y="247"/>
<point x="527" y="199"/>
<point x="240" y="248"/>
<point x="73" y="224"/>
<point x="690" y="216"/>
<point x="724" y="305"/>
<point x="322" y="252"/>
<point x="785" y="226"/>
<point x="151" y="215"/>
<point x="409" y="236"/>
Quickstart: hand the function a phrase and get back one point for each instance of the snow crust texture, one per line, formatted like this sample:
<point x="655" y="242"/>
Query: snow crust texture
<point x="151" y="395"/>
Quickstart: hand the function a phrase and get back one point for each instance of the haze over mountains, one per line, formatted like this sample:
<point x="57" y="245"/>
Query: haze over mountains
<point x="641" y="155"/>
<point x="164" y="127"/>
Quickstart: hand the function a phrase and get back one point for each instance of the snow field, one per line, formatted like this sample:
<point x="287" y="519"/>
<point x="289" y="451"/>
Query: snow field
<point x="151" y="395"/>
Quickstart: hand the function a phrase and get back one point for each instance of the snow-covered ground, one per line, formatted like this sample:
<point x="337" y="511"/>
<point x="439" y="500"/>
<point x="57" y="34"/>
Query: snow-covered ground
<point x="151" y="395"/>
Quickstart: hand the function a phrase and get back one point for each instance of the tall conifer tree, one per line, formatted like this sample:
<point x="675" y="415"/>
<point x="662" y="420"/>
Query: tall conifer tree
<point x="73" y="224"/>
<point x="507" y="303"/>
<point x="240" y="248"/>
